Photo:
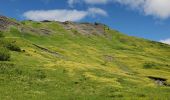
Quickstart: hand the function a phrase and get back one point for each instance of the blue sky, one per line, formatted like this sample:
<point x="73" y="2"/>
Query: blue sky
<point x="148" y="19"/>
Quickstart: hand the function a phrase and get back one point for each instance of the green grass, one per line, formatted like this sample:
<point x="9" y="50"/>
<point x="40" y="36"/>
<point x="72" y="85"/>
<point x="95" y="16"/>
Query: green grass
<point x="114" y="66"/>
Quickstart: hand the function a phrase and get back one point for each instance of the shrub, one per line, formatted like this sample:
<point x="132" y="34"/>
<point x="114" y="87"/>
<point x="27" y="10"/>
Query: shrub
<point x="4" y="54"/>
<point x="13" y="47"/>
<point x="148" y="65"/>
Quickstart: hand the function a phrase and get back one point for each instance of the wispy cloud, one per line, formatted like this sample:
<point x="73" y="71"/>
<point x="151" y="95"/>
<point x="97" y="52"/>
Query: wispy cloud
<point x="167" y="41"/>
<point x="63" y="14"/>
<point x="91" y="2"/>
<point x="72" y="2"/>
<point x="97" y="11"/>
<point x="156" y="8"/>
<point x="96" y="1"/>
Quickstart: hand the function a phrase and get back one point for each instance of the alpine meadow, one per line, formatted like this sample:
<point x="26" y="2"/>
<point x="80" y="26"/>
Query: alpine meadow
<point x="52" y="60"/>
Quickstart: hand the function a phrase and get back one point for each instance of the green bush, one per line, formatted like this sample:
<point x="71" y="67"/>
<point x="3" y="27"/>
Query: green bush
<point x="4" y="54"/>
<point x="148" y="65"/>
<point x="13" y="47"/>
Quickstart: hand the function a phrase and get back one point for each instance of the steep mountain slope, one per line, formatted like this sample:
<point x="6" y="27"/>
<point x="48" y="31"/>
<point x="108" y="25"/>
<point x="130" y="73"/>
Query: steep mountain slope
<point x="80" y="61"/>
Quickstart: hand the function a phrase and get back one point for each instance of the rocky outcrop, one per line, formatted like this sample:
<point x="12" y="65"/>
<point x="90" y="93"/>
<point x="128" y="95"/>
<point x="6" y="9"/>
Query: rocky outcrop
<point x="85" y="28"/>
<point x="6" y="22"/>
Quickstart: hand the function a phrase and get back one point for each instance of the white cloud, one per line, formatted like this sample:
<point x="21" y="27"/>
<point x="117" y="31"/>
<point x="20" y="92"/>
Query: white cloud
<point x="97" y="11"/>
<point x="167" y="41"/>
<point x="157" y="8"/>
<point x="57" y="15"/>
<point x="62" y="14"/>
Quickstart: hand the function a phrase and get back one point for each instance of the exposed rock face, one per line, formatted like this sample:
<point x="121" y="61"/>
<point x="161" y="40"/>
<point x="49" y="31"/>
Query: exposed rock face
<point x="85" y="28"/>
<point x="82" y="28"/>
<point x="5" y="22"/>
<point x="40" y="31"/>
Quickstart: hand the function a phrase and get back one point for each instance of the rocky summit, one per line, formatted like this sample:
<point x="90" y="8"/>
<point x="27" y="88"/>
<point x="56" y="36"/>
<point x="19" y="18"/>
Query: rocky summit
<point x="5" y="22"/>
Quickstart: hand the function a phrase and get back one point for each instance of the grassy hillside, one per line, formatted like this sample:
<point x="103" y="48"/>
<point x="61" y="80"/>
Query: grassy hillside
<point x="60" y="64"/>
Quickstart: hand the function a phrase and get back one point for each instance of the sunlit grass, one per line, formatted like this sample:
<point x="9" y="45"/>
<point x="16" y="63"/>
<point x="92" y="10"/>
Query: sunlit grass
<point x="88" y="68"/>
